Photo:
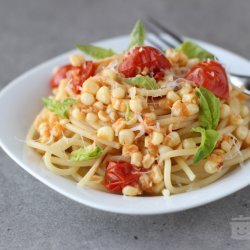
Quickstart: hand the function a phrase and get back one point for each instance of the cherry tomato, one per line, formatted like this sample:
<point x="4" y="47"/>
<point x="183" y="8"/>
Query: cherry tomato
<point x="59" y="75"/>
<point x="120" y="174"/>
<point x="144" y="59"/>
<point x="212" y="76"/>
<point x="75" y="74"/>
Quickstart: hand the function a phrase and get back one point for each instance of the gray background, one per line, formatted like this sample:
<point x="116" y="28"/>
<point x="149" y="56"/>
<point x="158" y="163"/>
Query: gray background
<point x="32" y="216"/>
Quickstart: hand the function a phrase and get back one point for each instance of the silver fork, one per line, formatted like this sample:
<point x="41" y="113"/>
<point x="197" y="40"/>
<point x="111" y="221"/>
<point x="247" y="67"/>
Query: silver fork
<point x="239" y="81"/>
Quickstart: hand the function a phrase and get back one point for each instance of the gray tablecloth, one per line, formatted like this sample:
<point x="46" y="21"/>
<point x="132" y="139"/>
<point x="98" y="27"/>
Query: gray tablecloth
<point x="32" y="216"/>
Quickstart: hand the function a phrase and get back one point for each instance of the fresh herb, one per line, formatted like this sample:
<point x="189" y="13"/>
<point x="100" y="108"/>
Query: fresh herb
<point x="193" y="50"/>
<point x="209" y="139"/>
<point x="137" y="35"/>
<point x="59" y="108"/>
<point x="209" y="108"/>
<point x="143" y="81"/>
<point x="87" y="153"/>
<point x="95" y="52"/>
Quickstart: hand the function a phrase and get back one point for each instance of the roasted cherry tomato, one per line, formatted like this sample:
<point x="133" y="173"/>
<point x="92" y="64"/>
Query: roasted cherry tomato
<point x="120" y="174"/>
<point x="212" y="76"/>
<point x="75" y="74"/>
<point x="59" y="75"/>
<point x="144" y="60"/>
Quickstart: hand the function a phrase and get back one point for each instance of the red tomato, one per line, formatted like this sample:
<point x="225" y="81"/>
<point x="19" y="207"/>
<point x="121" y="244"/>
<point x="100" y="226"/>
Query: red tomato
<point x="75" y="74"/>
<point x="59" y="75"/>
<point x="120" y="174"/>
<point x="144" y="59"/>
<point x="212" y="76"/>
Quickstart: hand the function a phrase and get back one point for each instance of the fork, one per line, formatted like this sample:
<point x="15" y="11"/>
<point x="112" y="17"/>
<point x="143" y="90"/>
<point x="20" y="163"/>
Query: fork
<point x="239" y="81"/>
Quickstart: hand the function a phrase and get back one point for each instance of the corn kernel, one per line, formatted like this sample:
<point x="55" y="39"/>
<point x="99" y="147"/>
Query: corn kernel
<point x="77" y="114"/>
<point x="211" y="167"/>
<point x="118" y="93"/>
<point x="90" y="86"/>
<point x="130" y="191"/>
<point x="173" y="96"/>
<point x="76" y="60"/>
<point x="103" y="95"/>
<point x="244" y="112"/>
<point x="92" y="117"/>
<point x="173" y="139"/>
<point x="136" y="159"/>
<point x="157" y="138"/>
<point x="102" y="115"/>
<point x="136" y="105"/>
<point x="87" y="99"/>
<point x="106" y="133"/>
<point x="126" y="136"/>
<point x="156" y="174"/>
<point x="189" y="143"/>
<point x="224" y="111"/>
<point x="241" y="132"/>
<point x="147" y="161"/>
<point x="192" y="108"/>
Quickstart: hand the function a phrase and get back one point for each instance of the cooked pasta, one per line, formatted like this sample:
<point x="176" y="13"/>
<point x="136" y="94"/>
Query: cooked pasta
<point x="142" y="122"/>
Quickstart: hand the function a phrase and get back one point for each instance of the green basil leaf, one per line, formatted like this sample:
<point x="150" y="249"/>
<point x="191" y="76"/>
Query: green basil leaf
<point x="95" y="52"/>
<point x="137" y="35"/>
<point x="209" y="108"/>
<point x="143" y="81"/>
<point x="59" y="108"/>
<point x="209" y="139"/>
<point x="87" y="153"/>
<point x="193" y="50"/>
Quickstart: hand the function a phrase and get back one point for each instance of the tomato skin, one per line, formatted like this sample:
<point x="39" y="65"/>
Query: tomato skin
<point x="60" y="74"/>
<point x="143" y="58"/>
<point x="76" y="75"/>
<point x="212" y="76"/>
<point x="120" y="174"/>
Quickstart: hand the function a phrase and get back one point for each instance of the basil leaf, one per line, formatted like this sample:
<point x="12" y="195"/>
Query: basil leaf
<point x="209" y="108"/>
<point x="143" y="81"/>
<point x="137" y="35"/>
<point x="95" y="52"/>
<point x="59" y="108"/>
<point x="87" y="153"/>
<point x="193" y="50"/>
<point x="209" y="139"/>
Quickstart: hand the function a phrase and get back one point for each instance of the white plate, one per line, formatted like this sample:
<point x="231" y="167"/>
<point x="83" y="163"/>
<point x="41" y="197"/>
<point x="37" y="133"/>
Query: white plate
<point x="20" y="102"/>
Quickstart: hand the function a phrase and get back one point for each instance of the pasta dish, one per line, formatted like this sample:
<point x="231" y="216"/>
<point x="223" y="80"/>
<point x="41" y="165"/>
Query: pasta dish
<point x="143" y="122"/>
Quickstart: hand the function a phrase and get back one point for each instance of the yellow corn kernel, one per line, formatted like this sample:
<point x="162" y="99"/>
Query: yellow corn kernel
<point x="76" y="60"/>
<point x="87" y="99"/>
<point x="90" y="86"/>
<point x="157" y="138"/>
<point x="224" y="111"/>
<point x="126" y="137"/>
<point x="119" y="125"/>
<point x="189" y="143"/>
<point x="147" y="161"/>
<point x="77" y="114"/>
<point x="118" y="93"/>
<point x="91" y="117"/>
<point x="103" y="116"/>
<point x="136" y="105"/>
<point x="106" y="133"/>
<point x="136" y="159"/>
<point x="130" y="191"/>
<point x="173" y="139"/>
<point x="173" y="96"/>
<point x="156" y="174"/>
<point x="241" y="132"/>
<point x="103" y="95"/>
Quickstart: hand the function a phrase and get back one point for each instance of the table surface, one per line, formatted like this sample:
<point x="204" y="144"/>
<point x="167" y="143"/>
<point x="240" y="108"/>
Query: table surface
<point x="32" y="216"/>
